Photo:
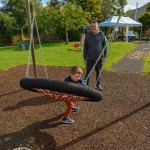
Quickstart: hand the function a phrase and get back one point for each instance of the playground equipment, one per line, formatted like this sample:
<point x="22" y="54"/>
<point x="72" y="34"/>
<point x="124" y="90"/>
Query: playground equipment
<point x="42" y="85"/>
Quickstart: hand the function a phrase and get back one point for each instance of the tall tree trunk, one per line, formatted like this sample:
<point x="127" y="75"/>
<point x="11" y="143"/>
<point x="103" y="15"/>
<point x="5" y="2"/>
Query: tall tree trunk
<point x="67" y="39"/>
<point x="22" y="35"/>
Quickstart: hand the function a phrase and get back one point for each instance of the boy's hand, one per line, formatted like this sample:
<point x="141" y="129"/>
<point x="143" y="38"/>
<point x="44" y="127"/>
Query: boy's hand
<point x="84" y="83"/>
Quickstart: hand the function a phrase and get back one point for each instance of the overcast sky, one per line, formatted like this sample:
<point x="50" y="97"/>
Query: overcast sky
<point x="132" y="3"/>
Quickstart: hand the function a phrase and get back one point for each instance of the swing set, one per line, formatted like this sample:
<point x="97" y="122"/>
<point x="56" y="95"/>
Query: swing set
<point x="55" y="89"/>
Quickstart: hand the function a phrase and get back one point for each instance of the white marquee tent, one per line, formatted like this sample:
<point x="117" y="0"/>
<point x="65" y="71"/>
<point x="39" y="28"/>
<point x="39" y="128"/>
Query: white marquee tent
<point x="123" y="22"/>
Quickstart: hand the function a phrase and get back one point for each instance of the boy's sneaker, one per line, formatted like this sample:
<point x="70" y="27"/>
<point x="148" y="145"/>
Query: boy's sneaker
<point x="68" y="120"/>
<point x="75" y="109"/>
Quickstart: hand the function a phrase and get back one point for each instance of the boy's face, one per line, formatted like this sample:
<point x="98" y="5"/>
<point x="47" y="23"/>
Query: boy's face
<point x="76" y="77"/>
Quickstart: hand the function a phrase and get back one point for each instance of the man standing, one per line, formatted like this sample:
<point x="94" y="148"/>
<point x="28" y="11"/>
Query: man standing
<point x="95" y="41"/>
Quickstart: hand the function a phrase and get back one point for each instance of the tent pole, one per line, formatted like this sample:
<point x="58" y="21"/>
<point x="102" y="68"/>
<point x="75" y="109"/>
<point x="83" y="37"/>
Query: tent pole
<point x="140" y="35"/>
<point x="127" y="30"/>
<point x="109" y="30"/>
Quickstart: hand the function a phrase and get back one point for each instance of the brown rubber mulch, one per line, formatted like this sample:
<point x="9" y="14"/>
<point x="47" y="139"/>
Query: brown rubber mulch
<point x="121" y="121"/>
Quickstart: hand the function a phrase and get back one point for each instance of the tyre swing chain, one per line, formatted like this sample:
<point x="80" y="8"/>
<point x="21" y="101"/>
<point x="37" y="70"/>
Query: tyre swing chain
<point x="108" y="41"/>
<point x="31" y="40"/>
<point x="29" y="52"/>
<point x="37" y="30"/>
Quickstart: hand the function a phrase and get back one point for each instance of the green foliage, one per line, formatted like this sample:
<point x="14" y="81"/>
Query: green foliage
<point x="6" y="28"/>
<point x="16" y="10"/>
<point x="145" y="20"/>
<point x="148" y="8"/>
<point x="108" y="8"/>
<point x="5" y="21"/>
<point x="91" y="6"/>
<point x="61" y="18"/>
<point x="101" y="9"/>
<point x="120" y="4"/>
<point x="71" y="17"/>
<point x="54" y="2"/>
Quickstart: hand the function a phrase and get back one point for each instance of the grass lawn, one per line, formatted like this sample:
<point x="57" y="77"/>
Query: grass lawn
<point x="147" y="64"/>
<point x="60" y="54"/>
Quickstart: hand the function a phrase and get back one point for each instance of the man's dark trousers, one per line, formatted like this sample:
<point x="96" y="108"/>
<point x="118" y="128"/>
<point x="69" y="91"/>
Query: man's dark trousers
<point x="98" y="67"/>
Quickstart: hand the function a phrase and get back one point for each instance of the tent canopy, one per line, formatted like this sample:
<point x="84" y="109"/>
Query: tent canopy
<point x="123" y="22"/>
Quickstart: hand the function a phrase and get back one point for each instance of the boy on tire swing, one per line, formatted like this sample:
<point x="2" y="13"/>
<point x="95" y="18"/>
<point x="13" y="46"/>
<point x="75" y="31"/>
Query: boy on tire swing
<point x="74" y="77"/>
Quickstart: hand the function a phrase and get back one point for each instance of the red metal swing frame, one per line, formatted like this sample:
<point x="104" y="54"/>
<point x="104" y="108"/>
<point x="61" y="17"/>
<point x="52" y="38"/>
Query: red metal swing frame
<point x="60" y="96"/>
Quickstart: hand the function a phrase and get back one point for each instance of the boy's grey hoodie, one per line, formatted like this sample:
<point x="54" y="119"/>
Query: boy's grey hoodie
<point x="93" y="46"/>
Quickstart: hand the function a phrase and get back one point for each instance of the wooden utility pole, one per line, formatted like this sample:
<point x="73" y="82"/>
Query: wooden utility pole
<point x="32" y="43"/>
<point x="135" y="16"/>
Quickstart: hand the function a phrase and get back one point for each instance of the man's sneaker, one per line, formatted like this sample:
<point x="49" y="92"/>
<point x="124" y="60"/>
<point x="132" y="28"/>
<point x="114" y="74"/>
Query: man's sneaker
<point x="68" y="120"/>
<point x="75" y="109"/>
<point x="99" y="88"/>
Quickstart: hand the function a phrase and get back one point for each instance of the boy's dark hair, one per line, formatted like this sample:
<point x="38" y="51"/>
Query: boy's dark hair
<point x="76" y="69"/>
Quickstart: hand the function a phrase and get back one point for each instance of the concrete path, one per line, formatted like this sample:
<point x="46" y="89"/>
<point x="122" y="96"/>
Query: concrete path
<point x="133" y="62"/>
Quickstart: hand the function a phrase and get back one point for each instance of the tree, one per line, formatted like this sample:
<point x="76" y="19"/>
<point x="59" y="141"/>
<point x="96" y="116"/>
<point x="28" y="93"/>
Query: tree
<point x="62" y="18"/>
<point x="148" y="7"/>
<point x="71" y="17"/>
<point x="5" y="23"/>
<point x="120" y="6"/>
<point x="16" y="10"/>
<point x="91" y="6"/>
<point x="53" y="2"/>
<point x="145" y="20"/>
<point x="108" y="8"/>
<point x="7" y="27"/>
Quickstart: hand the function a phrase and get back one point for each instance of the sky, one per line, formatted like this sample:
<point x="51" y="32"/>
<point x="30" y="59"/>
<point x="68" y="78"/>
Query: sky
<point x="132" y="3"/>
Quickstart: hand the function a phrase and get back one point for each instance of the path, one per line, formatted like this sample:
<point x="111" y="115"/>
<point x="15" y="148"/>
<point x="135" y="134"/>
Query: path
<point x="133" y="62"/>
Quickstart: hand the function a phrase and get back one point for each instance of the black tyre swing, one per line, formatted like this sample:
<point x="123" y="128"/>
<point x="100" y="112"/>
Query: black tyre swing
<point x="54" y="85"/>
<point x="60" y="86"/>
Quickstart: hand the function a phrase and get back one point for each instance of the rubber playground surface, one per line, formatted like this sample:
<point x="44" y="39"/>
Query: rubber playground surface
<point x="121" y="121"/>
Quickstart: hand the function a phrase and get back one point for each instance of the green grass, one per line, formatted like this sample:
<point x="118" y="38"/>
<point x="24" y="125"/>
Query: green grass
<point x="60" y="54"/>
<point x="147" y="64"/>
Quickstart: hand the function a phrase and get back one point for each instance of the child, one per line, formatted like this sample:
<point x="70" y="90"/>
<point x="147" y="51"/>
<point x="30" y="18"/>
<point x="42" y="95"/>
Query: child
<point x="82" y="39"/>
<point x="74" y="77"/>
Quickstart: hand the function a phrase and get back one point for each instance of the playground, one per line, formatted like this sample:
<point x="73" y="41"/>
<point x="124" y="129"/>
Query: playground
<point x="34" y="95"/>
<point x="119" y="121"/>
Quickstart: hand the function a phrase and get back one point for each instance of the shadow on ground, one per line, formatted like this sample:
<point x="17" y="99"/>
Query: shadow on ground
<point x="31" y="137"/>
<point x="74" y="50"/>
<point x="37" y="101"/>
<point x="99" y="129"/>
